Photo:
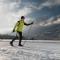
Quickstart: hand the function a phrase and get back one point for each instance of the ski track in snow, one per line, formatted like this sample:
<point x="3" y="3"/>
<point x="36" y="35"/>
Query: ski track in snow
<point x="32" y="50"/>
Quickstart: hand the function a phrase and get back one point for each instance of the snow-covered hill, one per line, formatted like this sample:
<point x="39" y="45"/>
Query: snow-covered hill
<point x="32" y="50"/>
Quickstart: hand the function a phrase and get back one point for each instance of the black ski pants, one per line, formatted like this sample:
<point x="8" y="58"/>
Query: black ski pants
<point x="19" y="36"/>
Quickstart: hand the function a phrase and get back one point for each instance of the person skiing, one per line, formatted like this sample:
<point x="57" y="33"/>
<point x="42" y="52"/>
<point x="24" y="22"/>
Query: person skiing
<point x="19" y="28"/>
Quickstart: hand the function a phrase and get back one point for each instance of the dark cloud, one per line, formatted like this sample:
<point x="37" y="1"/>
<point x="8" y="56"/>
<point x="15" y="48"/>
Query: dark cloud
<point x="49" y="32"/>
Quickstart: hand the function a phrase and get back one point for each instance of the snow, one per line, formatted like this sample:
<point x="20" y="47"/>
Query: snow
<point x="32" y="50"/>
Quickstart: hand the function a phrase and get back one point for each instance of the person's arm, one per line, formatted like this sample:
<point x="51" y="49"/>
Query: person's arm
<point x="28" y="24"/>
<point x="14" y="28"/>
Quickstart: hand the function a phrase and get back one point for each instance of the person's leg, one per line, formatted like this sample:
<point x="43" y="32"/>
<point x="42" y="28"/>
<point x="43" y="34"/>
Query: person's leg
<point x="20" y="38"/>
<point x="11" y="42"/>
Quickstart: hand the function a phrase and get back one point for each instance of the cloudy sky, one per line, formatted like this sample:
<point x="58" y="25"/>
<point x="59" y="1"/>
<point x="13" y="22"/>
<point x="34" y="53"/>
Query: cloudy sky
<point x="44" y="13"/>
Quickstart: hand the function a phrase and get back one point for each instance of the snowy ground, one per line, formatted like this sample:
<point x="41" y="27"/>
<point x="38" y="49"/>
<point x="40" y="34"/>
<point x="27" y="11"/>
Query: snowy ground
<point x="32" y="50"/>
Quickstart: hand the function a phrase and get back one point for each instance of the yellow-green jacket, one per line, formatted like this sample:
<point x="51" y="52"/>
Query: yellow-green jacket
<point x="19" y="25"/>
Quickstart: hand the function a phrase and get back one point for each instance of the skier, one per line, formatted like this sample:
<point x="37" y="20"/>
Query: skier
<point x="19" y="28"/>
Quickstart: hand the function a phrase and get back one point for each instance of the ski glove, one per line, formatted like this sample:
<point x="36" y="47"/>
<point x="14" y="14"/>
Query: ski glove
<point x="32" y="23"/>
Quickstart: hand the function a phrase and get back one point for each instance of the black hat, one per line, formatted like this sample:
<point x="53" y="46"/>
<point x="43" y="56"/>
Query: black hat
<point x="22" y="17"/>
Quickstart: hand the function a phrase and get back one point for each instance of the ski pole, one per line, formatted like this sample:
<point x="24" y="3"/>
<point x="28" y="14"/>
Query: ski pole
<point x="29" y="31"/>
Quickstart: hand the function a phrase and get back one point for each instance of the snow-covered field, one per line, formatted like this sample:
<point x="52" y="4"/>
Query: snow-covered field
<point x="32" y="50"/>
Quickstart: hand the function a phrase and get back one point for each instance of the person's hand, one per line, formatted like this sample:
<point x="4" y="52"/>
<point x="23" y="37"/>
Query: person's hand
<point x="32" y="23"/>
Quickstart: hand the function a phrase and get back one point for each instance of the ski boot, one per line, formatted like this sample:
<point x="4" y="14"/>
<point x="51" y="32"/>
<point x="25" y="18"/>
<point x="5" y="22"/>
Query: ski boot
<point x="11" y="43"/>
